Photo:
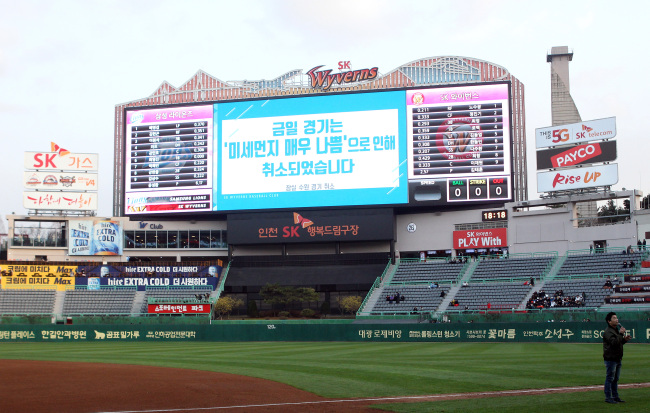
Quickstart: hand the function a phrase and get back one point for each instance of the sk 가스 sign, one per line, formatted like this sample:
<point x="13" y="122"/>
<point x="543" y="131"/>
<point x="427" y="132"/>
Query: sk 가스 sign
<point x="481" y="238"/>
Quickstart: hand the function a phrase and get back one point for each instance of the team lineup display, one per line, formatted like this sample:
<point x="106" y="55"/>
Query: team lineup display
<point x="427" y="146"/>
<point x="459" y="143"/>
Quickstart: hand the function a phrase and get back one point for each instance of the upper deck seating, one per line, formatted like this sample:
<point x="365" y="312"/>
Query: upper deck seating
<point x="600" y="264"/>
<point x="512" y="268"/>
<point x="427" y="271"/>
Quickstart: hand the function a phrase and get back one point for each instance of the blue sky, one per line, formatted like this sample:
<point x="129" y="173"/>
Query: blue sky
<point x="64" y="65"/>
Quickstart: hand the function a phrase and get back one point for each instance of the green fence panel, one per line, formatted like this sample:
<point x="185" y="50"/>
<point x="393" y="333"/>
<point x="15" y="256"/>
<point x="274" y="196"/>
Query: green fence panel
<point x="568" y="332"/>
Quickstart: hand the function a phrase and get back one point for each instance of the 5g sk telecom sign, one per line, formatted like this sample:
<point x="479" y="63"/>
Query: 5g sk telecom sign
<point x="592" y="130"/>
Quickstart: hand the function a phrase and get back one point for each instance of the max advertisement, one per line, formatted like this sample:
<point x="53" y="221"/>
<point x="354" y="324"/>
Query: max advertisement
<point x="95" y="237"/>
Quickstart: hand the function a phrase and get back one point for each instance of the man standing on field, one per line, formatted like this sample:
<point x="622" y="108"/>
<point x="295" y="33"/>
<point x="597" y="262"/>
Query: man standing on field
<point x="613" y="339"/>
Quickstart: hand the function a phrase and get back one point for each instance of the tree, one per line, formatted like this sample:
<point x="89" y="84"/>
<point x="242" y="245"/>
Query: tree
<point x="614" y="213"/>
<point x="275" y="294"/>
<point x="350" y="304"/>
<point x="252" y="309"/>
<point x="225" y="305"/>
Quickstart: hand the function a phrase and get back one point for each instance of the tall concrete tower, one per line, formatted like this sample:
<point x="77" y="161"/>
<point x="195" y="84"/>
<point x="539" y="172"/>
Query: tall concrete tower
<point x="563" y="109"/>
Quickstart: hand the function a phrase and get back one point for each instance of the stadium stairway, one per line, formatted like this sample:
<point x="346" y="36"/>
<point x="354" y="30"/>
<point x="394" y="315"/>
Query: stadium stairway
<point x="539" y="284"/>
<point x="138" y="302"/>
<point x="469" y="270"/>
<point x="58" y="303"/>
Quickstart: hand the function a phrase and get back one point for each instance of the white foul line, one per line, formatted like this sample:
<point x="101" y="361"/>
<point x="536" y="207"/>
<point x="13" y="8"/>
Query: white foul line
<point x="384" y="399"/>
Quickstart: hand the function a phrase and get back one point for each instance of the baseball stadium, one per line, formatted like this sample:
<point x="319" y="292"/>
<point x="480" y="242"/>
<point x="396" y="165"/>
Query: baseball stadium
<point x="330" y="241"/>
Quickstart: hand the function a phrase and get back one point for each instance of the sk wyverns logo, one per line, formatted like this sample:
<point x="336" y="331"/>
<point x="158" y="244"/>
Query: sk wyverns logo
<point x="417" y="98"/>
<point x="324" y="79"/>
<point x="137" y="117"/>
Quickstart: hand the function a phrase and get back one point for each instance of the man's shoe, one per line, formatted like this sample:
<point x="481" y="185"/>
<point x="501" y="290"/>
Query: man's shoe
<point x="617" y="400"/>
<point x="612" y="401"/>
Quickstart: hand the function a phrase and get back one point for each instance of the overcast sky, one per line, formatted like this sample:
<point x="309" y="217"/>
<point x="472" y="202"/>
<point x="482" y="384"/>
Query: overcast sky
<point x="64" y="65"/>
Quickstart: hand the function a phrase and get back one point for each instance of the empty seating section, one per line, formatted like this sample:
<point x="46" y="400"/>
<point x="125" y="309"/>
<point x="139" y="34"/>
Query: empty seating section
<point x="512" y="268"/>
<point x="421" y="296"/>
<point x="27" y="301"/>
<point x="427" y="271"/>
<point x="119" y="301"/>
<point x="600" y="264"/>
<point x="499" y="295"/>
<point x="591" y="287"/>
<point x="172" y="293"/>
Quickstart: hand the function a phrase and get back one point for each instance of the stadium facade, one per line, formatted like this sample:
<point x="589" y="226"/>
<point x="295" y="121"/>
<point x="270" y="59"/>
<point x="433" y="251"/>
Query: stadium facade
<point x="394" y="230"/>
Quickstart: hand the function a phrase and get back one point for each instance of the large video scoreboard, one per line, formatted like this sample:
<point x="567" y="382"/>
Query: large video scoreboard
<point x="425" y="146"/>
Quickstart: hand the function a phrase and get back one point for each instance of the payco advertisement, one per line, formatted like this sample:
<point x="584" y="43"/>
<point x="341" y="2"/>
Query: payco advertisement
<point x="95" y="237"/>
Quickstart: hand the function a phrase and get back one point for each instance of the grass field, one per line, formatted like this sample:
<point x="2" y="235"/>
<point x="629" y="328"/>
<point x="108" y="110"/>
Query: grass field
<point x="363" y="370"/>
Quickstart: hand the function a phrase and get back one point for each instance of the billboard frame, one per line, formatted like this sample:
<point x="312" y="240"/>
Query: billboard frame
<point x="409" y="206"/>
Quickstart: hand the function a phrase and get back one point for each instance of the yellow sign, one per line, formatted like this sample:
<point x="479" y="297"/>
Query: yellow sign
<point x="43" y="270"/>
<point x="18" y="282"/>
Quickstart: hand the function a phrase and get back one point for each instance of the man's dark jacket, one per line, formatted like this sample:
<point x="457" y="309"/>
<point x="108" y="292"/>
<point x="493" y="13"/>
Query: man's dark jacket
<point x="612" y="344"/>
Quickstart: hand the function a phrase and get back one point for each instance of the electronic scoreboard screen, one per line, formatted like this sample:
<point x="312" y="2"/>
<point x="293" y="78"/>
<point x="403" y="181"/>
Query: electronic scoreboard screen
<point x="426" y="146"/>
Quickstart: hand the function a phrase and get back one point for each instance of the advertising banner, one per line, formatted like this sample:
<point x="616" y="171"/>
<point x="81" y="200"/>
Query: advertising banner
<point x="66" y="181"/>
<point x="591" y="130"/>
<point x="569" y="332"/>
<point x="595" y="152"/>
<point x="481" y="238"/>
<point x="637" y="278"/>
<point x="17" y="282"/>
<point x="95" y="237"/>
<point x="69" y="201"/>
<point x="577" y="178"/>
<point x="52" y="161"/>
<point x="31" y="270"/>
<point x="311" y="226"/>
<point x="147" y="271"/>
<point x="141" y="283"/>
<point x="179" y="308"/>
<point x="627" y="300"/>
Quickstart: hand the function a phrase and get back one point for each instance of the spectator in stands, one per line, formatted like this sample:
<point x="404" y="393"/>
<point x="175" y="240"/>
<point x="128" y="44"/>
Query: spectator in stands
<point x="614" y="338"/>
<point x="465" y="284"/>
<point x="624" y="264"/>
<point x="532" y="281"/>
<point x="643" y="244"/>
<point x="433" y="285"/>
<point x="608" y="284"/>
<point x="443" y="294"/>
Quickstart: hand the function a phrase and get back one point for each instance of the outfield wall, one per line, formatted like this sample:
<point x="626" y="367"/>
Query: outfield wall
<point x="571" y="332"/>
